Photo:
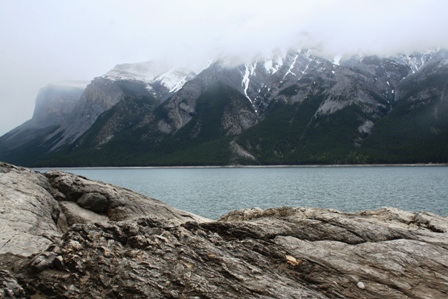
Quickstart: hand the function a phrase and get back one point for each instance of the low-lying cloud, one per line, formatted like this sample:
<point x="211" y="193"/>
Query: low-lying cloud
<point x="47" y="41"/>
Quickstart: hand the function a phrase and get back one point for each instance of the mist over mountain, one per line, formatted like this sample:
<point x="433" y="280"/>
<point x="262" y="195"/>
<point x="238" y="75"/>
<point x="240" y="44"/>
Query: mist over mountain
<point x="82" y="40"/>
<point x="295" y="108"/>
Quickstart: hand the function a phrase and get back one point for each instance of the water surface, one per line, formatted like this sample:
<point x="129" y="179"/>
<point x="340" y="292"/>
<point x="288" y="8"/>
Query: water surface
<point x="211" y="192"/>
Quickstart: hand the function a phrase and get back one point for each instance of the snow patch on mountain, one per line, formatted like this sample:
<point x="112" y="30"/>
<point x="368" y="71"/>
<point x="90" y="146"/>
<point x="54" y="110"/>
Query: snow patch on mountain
<point x="291" y="67"/>
<point x="337" y="59"/>
<point x="274" y="64"/>
<point x="208" y="64"/>
<point x="249" y="71"/>
<point x="143" y="71"/>
<point x="175" y="79"/>
<point x="416" y="60"/>
<point x="151" y="72"/>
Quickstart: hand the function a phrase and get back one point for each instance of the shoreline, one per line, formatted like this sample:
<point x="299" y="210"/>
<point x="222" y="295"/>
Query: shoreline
<point x="244" y="166"/>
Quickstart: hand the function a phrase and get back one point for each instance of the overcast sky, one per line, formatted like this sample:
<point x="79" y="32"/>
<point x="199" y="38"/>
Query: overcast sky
<point x="54" y="40"/>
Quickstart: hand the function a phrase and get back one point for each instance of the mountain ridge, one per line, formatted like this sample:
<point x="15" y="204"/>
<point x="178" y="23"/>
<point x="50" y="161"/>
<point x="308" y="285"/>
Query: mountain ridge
<point x="299" y="108"/>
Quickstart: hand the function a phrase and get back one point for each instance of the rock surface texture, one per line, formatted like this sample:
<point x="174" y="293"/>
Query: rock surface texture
<point x="95" y="240"/>
<point x="36" y="209"/>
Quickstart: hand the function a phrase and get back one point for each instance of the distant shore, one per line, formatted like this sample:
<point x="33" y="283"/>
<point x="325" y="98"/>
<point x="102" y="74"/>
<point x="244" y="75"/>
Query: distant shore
<point x="246" y="166"/>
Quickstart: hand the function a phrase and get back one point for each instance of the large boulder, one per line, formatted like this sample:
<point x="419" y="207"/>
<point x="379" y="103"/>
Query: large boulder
<point x="106" y="200"/>
<point x="36" y="209"/>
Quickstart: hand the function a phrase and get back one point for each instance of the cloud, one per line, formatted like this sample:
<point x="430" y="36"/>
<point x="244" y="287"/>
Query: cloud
<point x="47" y="41"/>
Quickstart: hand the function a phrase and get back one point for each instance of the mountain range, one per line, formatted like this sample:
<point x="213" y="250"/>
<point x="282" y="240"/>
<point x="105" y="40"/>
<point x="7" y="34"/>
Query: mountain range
<point x="293" y="109"/>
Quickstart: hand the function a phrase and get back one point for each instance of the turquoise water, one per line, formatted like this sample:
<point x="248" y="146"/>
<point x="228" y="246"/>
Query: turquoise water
<point x="211" y="192"/>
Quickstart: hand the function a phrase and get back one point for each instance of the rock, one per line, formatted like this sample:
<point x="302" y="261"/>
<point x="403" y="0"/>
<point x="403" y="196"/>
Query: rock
<point x="115" y="202"/>
<point x="76" y="214"/>
<point x="95" y="202"/>
<point x="141" y="248"/>
<point x="42" y="261"/>
<point x="255" y="258"/>
<point x="156" y="259"/>
<point x="293" y="261"/>
<point x="58" y="263"/>
<point x="29" y="215"/>
<point x="399" y="254"/>
<point x="36" y="209"/>
<point x="9" y="287"/>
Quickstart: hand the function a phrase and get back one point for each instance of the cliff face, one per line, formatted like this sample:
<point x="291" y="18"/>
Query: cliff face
<point x="55" y="103"/>
<point x="153" y="81"/>
<point x="64" y="236"/>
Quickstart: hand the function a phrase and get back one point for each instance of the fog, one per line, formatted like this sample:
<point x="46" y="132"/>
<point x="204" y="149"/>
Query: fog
<point x="49" y="41"/>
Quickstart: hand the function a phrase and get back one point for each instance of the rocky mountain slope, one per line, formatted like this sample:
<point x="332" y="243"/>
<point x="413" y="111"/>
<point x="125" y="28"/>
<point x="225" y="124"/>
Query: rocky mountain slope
<point x="64" y="236"/>
<point x="300" y="108"/>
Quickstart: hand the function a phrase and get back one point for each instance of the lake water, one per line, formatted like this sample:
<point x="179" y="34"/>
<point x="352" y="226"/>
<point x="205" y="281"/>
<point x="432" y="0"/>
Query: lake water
<point x="212" y="192"/>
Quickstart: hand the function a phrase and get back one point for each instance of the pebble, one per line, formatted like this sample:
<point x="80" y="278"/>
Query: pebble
<point x="361" y="285"/>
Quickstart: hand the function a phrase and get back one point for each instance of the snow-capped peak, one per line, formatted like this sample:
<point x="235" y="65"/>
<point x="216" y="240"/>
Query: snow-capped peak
<point x="151" y="72"/>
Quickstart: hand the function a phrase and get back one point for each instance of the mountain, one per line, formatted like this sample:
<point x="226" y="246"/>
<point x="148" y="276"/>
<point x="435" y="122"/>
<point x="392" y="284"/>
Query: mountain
<point x="298" y="108"/>
<point x="54" y="104"/>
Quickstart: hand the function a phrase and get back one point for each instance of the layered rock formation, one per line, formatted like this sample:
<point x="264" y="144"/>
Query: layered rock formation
<point x="95" y="240"/>
<point x="36" y="209"/>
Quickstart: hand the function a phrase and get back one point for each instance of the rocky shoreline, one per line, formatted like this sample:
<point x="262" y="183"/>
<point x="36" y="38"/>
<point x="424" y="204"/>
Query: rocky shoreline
<point x="65" y="236"/>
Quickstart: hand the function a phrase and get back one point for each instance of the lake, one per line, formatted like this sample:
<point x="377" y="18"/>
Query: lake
<point x="212" y="192"/>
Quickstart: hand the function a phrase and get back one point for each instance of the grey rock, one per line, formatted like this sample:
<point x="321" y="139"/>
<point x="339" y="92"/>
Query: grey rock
<point x="73" y="213"/>
<point x="36" y="209"/>
<point x="28" y="213"/>
<point x="393" y="252"/>
<point x="141" y="248"/>
<point x="42" y="261"/>
<point x="95" y="202"/>
<point x="122" y="203"/>
<point x="149" y="258"/>
<point x="10" y="287"/>
<point x="252" y="254"/>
